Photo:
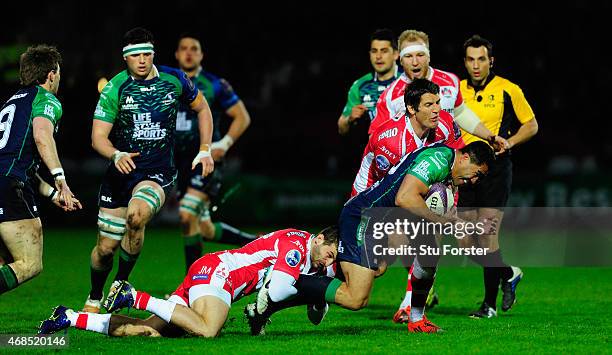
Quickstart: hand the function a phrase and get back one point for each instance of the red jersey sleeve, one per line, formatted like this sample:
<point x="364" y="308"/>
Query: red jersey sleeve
<point x="459" y="99"/>
<point x="291" y="255"/>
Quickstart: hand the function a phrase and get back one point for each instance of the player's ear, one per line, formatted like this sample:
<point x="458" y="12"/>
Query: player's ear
<point x="410" y="109"/>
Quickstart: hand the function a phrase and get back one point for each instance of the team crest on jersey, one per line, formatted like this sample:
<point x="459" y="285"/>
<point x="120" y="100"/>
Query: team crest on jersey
<point x="382" y="163"/>
<point x="129" y="104"/>
<point x="293" y="257"/>
<point x="446" y="91"/>
<point x="168" y="99"/>
<point x="222" y="271"/>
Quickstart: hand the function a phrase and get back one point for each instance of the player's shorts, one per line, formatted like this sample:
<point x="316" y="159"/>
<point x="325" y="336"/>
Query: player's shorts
<point x="116" y="188"/>
<point x="492" y="191"/>
<point x="17" y="200"/>
<point x="355" y="232"/>
<point x="210" y="184"/>
<point x="207" y="276"/>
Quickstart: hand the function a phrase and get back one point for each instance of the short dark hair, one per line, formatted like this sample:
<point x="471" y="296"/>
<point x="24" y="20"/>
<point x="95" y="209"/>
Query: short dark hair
<point x="188" y="35"/>
<point x="477" y="41"/>
<point x="480" y="153"/>
<point x="416" y="89"/>
<point x="36" y="63"/>
<point x="384" y="34"/>
<point x="138" y="35"/>
<point x="331" y="235"/>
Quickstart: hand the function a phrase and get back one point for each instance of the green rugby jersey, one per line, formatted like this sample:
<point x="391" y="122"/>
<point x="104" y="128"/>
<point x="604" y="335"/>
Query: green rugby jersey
<point x="19" y="156"/>
<point x="366" y="90"/>
<point x="143" y="114"/>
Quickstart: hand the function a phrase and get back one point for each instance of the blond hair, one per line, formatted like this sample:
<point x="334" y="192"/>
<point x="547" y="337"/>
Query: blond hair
<point x="413" y="36"/>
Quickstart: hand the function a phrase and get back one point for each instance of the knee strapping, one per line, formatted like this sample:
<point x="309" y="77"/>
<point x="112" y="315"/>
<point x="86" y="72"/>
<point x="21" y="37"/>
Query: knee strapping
<point x="110" y="226"/>
<point x="192" y="204"/>
<point x="149" y="195"/>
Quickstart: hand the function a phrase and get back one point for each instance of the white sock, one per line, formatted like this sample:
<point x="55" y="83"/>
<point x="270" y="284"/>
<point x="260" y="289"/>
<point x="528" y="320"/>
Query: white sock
<point x="406" y="301"/>
<point x="416" y="314"/>
<point x="89" y="321"/>
<point x="161" y="308"/>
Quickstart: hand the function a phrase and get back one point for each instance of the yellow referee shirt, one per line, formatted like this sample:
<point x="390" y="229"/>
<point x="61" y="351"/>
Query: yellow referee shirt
<point x="500" y="105"/>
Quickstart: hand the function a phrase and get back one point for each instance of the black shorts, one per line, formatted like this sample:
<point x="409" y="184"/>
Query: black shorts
<point x="210" y="185"/>
<point x="492" y="191"/>
<point x="116" y="188"/>
<point x="17" y="200"/>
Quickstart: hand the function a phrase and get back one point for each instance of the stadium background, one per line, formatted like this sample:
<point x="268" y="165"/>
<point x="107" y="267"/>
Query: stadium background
<point x="292" y="65"/>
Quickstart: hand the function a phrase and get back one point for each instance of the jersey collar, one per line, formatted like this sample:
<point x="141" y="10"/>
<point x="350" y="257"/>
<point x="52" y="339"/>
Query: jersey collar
<point x="486" y="82"/>
<point x="155" y="75"/>
<point x="308" y="263"/>
<point x="395" y="76"/>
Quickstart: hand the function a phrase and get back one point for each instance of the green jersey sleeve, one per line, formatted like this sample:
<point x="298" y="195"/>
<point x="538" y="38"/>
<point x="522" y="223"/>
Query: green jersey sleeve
<point x="353" y="100"/>
<point x="432" y="165"/>
<point x="47" y="105"/>
<point x="108" y="106"/>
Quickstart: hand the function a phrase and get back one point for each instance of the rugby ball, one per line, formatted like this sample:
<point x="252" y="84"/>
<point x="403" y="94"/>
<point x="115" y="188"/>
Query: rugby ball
<point x="439" y="199"/>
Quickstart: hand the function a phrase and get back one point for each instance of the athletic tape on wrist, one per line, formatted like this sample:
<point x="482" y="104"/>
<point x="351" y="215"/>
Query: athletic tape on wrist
<point x="58" y="174"/>
<point x="224" y="143"/>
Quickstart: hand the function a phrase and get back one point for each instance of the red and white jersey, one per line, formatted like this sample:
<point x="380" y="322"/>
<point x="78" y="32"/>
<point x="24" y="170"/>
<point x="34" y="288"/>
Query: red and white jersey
<point x="288" y="250"/>
<point x="393" y="140"/>
<point x="391" y="104"/>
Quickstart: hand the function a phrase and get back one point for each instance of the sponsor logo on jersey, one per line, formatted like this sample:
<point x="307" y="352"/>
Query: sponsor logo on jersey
<point x="35" y="208"/>
<point x="182" y="123"/>
<point x="148" y="89"/>
<point x="157" y="177"/>
<point x="205" y="270"/>
<point x="293" y="257"/>
<point x="49" y="111"/>
<point x="446" y="91"/>
<point x="388" y="152"/>
<point x="200" y="277"/>
<point x="17" y="96"/>
<point x="129" y="104"/>
<point x="381" y="88"/>
<point x="221" y="272"/>
<point x="382" y="163"/>
<point x="106" y="199"/>
<point x="299" y="234"/>
<point x="168" y="99"/>
<point x="145" y="129"/>
<point x="1" y="210"/>
<point x="422" y="170"/>
<point x="367" y="97"/>
<point x="99" y="111"/>
<point x="388" y="133"/>
<point x="340" y="248"/>
<point x="299" y="245"/>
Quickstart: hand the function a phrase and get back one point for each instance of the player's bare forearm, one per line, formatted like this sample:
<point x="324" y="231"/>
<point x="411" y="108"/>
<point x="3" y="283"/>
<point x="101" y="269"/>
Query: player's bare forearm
<point x="43" y="136"/>
<point x="343" y="125"/>
<point x="482" y="132"/>
<point x="524" y="133"/>
<point x="205" y="121"/>
<point x="240" y="120"/>
<point x="99" y="138"/>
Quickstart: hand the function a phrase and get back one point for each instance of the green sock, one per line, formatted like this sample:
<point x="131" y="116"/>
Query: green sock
<point x="126" y="264"/>
<point x="8" y="279"/>
<point x="330" y="293"/>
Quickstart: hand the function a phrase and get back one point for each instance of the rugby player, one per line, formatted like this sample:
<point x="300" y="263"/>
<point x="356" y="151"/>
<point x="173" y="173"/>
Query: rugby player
<point x="28" y="121"/>
<point x="504" y="110"/>
<point x="364" y="92"/>
<point x="405" y="186"/>
<point x="195" y="191"/>
<point x="134" y="127"/>
<point x="201" y="303"/>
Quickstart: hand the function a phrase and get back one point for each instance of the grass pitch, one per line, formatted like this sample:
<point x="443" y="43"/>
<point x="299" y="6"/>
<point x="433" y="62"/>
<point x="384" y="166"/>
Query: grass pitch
<point x="564" y="310"/>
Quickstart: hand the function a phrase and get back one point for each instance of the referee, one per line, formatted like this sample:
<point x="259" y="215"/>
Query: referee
<point x="503" y="109"/>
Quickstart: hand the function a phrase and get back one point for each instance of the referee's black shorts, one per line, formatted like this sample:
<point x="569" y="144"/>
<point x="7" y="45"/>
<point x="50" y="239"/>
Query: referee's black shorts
<point x="492" y="191"/>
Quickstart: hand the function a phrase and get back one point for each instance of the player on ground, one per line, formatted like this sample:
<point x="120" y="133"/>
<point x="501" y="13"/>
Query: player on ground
<point x="28" y="121"/>
<point x="201" y="303"/>
<point x="364" y="92"/>
<point x="195" y="191"/>
<point x="133" y="127"/>
<point x="504" y="110"/>
<point x="404" y="186"/>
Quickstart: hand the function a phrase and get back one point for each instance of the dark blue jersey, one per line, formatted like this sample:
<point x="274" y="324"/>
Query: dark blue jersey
<point x="220" y="97"/>
<point x="18" y="152"/>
